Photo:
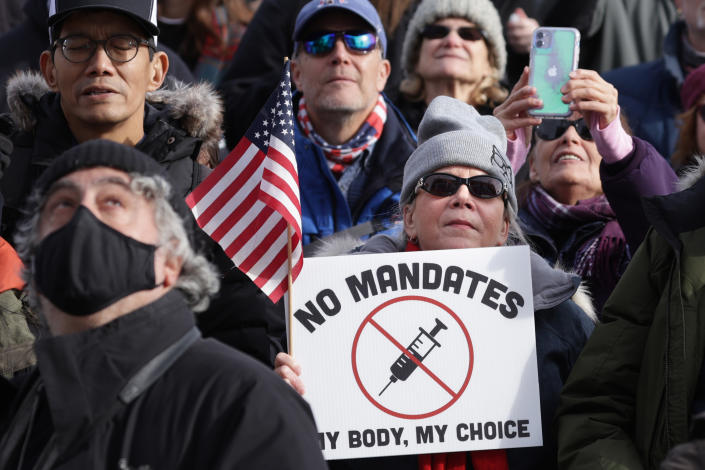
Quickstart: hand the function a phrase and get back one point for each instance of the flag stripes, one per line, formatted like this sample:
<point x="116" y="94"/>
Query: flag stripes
<point x="251" y="197"/>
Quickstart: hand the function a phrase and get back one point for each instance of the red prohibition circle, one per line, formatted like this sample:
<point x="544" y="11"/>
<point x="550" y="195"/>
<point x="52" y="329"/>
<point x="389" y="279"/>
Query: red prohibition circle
<point x="371" y="398"/>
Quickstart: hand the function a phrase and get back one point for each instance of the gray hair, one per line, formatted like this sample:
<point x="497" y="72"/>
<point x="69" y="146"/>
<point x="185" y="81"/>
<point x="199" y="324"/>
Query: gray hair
<point x="198" y="279"/>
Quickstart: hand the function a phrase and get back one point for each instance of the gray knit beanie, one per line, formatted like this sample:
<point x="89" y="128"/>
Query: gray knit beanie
<point x="480" y="12"/>
<point x="454" y="133"/>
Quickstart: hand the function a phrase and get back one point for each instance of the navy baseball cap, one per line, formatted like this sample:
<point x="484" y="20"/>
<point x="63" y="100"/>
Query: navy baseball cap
<point x="144" y="12"/>
<point x="362" y="8"/>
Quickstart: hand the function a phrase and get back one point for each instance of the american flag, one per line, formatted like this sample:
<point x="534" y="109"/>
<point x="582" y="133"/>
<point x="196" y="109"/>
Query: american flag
<point x="247" y="201"/>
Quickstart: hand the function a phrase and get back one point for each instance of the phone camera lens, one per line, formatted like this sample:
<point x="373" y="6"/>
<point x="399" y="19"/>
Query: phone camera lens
<point x="539" y="43"/>
<point x="539" y="34"/>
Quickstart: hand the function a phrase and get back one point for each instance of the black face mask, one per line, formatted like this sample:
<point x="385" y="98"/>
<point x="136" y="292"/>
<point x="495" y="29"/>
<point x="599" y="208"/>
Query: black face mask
<point x="86" y="265"/>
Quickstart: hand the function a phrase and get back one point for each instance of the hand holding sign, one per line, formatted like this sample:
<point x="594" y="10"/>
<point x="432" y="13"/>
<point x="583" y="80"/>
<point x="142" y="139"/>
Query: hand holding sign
<point x="434" y="317"/>
<point x="288" y="369"/>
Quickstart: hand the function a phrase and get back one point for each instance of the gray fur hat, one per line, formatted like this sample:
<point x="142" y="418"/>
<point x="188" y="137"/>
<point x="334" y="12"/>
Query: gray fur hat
<point x="454" y="133"/>
<point x="480" y="12"/>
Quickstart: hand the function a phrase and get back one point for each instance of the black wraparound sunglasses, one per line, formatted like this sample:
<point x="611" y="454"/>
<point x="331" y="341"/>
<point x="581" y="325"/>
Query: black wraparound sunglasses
<point x="444" y="185"/>
<point x="551" y="129"/>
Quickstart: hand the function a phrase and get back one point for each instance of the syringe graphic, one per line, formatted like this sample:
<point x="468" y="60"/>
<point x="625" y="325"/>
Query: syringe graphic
<point x="420" y="347"/>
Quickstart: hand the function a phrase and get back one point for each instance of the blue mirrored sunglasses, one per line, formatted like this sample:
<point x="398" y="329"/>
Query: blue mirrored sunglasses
<point x="360" y="42"/>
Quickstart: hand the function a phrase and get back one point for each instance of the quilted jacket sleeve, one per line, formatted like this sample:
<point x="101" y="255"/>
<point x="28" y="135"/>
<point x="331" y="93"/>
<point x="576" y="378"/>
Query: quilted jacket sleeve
<point x="596" y="415"/>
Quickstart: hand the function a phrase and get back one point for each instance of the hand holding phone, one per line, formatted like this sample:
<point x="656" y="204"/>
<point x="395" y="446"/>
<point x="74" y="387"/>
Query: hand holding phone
<point x="592" y="97"/>
<point x="554" y="54"/>
<point x="513" y="113"/>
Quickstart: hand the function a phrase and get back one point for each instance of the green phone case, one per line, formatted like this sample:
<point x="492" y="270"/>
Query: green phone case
<point x="550" y="67"/>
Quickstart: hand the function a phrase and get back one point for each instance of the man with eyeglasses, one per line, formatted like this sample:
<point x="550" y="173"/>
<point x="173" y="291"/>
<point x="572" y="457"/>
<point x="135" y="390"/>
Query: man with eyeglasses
<point x="351" y="143"/>
<point x="101" y="78"/>
<point x="96" y="75"/>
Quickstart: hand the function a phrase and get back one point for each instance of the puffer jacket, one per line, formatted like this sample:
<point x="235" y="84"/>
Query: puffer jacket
<point x="562" y="328"/>
<point x="325" y="209"/>
<point x="630" y="396"/>
<point x="177" y="123"/>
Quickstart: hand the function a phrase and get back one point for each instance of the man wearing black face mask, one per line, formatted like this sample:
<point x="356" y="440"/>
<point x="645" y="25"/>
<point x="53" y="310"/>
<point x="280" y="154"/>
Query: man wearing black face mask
<point x="102" y="79"/>
<point x="125" y="380"/>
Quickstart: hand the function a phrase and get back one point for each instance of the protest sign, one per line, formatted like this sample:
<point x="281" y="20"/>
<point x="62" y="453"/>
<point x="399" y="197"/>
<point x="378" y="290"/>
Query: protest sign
<point x="409" y="353"/>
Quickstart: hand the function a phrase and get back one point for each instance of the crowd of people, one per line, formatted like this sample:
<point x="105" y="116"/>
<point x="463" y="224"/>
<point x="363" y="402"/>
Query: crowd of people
<point x="129" y="339"/>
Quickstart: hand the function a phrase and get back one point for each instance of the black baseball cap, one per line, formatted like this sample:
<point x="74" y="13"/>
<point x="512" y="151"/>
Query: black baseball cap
<point x="144" y="12"/>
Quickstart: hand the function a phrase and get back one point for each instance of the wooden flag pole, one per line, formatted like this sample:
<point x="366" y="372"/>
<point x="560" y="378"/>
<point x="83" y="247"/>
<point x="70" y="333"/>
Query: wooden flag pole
<point x="289" y="280"/>
<point x="290" y="290"/>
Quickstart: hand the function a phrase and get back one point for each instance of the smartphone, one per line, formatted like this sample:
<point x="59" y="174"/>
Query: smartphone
<point x="554" y="54"/>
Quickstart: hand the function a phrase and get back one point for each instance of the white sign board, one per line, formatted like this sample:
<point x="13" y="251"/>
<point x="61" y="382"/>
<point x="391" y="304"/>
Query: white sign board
<point x="414" y="353"/>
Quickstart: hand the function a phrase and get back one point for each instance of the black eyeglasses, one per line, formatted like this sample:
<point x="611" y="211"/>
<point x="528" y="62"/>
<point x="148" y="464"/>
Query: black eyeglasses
<point x="360" y="42"/>
<point x="551" y="129"/>
<point x="468" y="33"/>
<point x="120" y="48"/>
<point x="444" y="185"/>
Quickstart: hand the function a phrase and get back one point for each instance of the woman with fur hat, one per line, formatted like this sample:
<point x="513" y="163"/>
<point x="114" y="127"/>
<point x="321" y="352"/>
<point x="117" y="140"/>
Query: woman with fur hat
<point x="452" y="48"/>
<point x="458" y="192"/>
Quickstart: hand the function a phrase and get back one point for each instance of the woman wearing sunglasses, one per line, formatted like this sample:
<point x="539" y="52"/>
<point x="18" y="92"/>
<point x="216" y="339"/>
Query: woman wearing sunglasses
<point x="581" y="207"/>
<point x="452" y="48"/>
<point x="458" y="192"/>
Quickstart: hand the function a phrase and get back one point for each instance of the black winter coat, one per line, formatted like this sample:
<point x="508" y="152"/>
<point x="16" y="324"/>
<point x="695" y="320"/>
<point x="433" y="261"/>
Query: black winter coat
<point x="207" y="406"/>
<point x="177" y="122"/>
<point x="42" y="133"/>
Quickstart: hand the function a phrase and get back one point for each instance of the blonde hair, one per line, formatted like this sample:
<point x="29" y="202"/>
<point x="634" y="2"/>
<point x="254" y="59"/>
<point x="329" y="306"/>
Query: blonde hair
<point x="488" y="92"/>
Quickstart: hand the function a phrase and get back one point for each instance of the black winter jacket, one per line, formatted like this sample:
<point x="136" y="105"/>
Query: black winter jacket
<point x="207" y="406"/>
<point x="177" y="123"/>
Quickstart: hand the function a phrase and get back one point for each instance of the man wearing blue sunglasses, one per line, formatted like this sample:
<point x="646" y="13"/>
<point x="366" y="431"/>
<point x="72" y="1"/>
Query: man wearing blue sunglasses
<point x="351" y="143"/>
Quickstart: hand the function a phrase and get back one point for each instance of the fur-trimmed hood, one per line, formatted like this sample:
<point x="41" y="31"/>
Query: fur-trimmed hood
<point x="197" y="109"/>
